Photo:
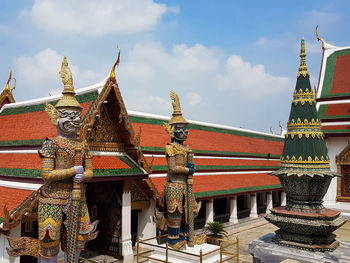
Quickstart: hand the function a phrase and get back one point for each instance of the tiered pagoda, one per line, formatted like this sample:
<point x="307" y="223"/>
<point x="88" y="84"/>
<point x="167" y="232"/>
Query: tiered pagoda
<point x="305" y="176"/>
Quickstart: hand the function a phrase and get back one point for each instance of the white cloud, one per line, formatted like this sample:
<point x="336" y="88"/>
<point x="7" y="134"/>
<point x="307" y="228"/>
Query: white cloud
<point x="96" y="18"/>
<point x="193" y="98"/>
<point x="38" y="74"/>
<point x="248" y="81"/>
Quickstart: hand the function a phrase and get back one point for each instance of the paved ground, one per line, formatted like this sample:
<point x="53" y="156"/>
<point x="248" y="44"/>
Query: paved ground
<point x="248" y="230"/>
<point x="260" y="227"/>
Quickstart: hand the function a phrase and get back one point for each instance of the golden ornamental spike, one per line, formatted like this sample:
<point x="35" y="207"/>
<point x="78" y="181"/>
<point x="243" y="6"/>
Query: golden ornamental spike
<point x="14" y="85"/>
<point x="7" y="87"/>
<point x="303" y="67"/>
<point x="318" y="38"/>
<point x="112" y="74"/>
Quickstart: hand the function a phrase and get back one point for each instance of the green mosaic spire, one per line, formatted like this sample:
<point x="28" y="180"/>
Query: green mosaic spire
<point x="305" y="151"/>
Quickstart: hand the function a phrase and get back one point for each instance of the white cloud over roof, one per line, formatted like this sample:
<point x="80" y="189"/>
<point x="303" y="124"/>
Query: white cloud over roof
<point x="96" y="18"/>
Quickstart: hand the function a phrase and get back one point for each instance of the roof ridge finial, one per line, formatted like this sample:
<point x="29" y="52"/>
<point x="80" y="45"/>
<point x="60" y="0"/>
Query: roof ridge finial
<point x="303" y="67"/>
<point x="319" y="39"/>
<point x="112" y="74"/>
<point x="7" y="87"/>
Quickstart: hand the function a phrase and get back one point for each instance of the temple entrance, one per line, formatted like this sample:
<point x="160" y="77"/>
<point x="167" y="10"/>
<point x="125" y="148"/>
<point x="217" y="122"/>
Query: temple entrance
<point x="345" y="182"/>
<point x="104" y="200"/>
<point x="343" y="167"/>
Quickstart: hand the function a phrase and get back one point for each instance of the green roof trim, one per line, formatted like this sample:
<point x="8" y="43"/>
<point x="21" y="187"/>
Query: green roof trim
<point x="161" y="149"/>
<point x="22" y="142"/>
<point x="329" y="74"/>
<point x="322" y="111"/>
<point x="20" y="172"/>
<point x="145" y="120"/>
<point x="36" y="173"/>
<point x="87" y="97"/>
<point x="336" y="131"/>
<point x="220" y="167"/>
<point x="236" y="190"/>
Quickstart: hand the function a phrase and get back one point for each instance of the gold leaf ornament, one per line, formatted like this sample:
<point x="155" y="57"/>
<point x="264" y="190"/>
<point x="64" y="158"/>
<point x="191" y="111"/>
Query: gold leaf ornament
<point x="169" y="129"/>
<point x="53" y="113"/>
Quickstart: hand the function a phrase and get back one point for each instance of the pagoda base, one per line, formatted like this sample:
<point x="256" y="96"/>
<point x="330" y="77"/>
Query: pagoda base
<point x="265" y="250"/>
<point x="306" y="231"/>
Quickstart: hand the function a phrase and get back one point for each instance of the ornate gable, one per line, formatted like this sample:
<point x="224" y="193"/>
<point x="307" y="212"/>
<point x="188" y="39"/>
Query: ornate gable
<point x="107" y="126"/>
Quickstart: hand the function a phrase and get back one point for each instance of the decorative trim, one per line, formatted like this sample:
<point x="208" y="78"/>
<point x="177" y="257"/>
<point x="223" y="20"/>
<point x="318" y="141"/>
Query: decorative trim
<point x="342" y="159"/>
<point x="24" y="209"/>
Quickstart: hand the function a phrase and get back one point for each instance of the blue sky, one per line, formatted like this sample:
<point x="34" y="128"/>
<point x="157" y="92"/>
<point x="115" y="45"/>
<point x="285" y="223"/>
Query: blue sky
<point x="231" y="62"/>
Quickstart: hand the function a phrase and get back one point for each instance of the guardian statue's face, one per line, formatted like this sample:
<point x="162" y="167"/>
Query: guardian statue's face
<point x="181" y="132"/>
<point x="69" y="122"/>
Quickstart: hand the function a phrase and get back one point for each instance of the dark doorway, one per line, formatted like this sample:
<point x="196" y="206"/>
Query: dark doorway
<point x="104" y="200"/>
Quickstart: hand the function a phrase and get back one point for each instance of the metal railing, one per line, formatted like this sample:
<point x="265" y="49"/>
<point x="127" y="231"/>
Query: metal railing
<point x="228" y="250"/>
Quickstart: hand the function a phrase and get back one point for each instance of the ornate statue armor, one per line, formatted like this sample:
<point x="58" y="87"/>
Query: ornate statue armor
<point x="181" y="206"/>
<point x="66" y="163"/>
<point x="58" y="171"/>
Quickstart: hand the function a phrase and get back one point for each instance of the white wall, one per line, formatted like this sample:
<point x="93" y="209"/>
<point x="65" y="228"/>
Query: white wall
<point x="4" y="257"/>
<point x="335" y="146"/>
<point x="146" y="226"/>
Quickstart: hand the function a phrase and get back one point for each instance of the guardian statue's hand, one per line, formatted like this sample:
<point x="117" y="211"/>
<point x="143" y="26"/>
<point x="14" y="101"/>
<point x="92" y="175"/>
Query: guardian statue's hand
<point x="78" y="178"/>
<point x="79" y="169"/>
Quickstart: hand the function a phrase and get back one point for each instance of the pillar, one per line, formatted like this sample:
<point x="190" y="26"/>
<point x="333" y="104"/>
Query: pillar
<point x="253" y="206"/>
<point x="283" y="198"/>
<point x="209" y="211"/>
<point x="269" y="204"/>
<point x="126" y="227"/>
<point x="233" y="210"/>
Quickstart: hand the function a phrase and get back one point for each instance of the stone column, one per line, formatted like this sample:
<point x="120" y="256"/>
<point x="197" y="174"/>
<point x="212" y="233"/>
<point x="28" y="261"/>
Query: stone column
<point x="253" y="206"/>
<point x="209" y="211"/>
<point x="283" y="198"/>
<point x="126" y="226"/>
<point x="269" y="204"/>
<point x="233" y="210"/>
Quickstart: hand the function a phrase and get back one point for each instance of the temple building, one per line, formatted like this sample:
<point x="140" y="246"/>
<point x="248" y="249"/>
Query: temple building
<point x="333" y="106"/>
<point x="232" y="169"/>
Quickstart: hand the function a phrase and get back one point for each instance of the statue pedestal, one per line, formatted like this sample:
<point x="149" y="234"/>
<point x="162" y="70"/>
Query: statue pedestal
<point x="190" y="254"/>
<point x="264" y="250"/>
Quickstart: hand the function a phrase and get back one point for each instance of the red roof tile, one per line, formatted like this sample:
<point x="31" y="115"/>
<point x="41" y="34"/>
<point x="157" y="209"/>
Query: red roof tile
<point x="209" y="183"/>
<point x="338" y="109"/>
<point x="341" y="80"/>
<point x="12" y="197"/>
<point x="29" y="126"/>
<point x="223" y="162"/>
<point x="155" y="136"/>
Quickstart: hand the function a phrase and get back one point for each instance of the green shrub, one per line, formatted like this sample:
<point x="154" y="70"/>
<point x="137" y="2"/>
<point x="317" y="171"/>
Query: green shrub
<point x="215" y="229"/>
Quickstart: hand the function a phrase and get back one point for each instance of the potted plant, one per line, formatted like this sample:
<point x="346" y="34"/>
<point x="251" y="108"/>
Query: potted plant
<point x="215" y="231"/>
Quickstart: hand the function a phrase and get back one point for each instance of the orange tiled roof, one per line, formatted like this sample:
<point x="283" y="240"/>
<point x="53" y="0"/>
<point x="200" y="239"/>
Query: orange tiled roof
<point x="155" y="136"/>
<point x="12" y="197"/>
<point x="225" y="184"/>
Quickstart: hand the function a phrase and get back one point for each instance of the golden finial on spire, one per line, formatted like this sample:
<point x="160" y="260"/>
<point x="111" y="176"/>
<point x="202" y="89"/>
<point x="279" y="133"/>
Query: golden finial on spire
<point x="7" y="87"/>
<point x="319" y="39"/>
<point x="14" y="85"/>
<point x="303" y="67"/>
<point x="112" y="75"/>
